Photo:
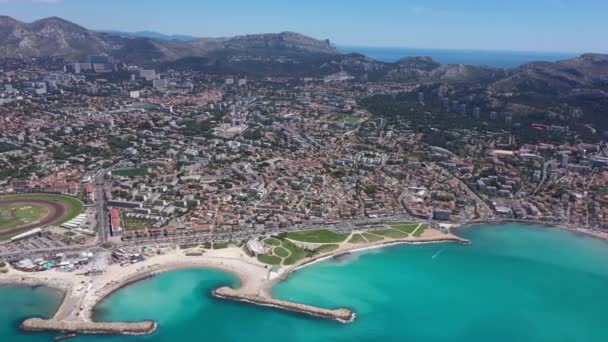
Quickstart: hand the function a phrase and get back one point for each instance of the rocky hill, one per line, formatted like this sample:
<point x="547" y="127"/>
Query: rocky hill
<point x="49" y="37"/>
<point x="57" y="37"/>
<point x="588" y="70"/>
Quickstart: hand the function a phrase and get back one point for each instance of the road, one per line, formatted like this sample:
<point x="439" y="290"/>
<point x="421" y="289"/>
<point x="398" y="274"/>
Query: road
<point x="103" y="231"/>
<point x="485" y="212"/>
<point x="542" y="181"/>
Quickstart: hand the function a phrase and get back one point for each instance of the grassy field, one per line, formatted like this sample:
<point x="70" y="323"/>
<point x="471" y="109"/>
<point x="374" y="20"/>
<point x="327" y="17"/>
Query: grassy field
<point x="147" y="106"/>
<point x="391" y="233"/>
<point x="420" y="230"/>
<point x="269" y="259"/>
<point x="221" y="245"/>
<point x="296" y="255"/>
<point x="372" y="237"/>
<point x="326" y="248"/>
<point x="284" y="250"/>
<point x="281" y="252"/>
<point x="318" y="236"/>
<point x="272" y="242"/>
<point x="406" y="227"/>
<point x="73" y="206"/>
<point x="130" y="172"/>
<point x="357" y="238"/>
<point x="350" y="119"/>
<point x="134" y="223"/>
<point x="20" y="214"/>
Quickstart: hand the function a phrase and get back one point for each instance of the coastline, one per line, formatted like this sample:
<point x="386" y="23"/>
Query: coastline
<point x="76" y="313"/>
<point x="542" y="224"/>
<point x="77" y="309"/>
<point x="378" y="245"/>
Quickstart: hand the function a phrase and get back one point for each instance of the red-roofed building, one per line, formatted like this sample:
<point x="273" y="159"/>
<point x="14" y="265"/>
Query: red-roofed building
<point x="115" y="224"/>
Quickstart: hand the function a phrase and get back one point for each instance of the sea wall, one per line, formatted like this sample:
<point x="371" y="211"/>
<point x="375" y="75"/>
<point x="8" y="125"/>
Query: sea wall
<point x="342" y="315"/>
<point x="138" y="328"/>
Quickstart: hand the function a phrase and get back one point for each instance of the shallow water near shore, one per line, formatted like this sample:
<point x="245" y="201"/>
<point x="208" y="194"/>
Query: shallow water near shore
<point x="513" y="283"/>
<point x="19" y="303"/>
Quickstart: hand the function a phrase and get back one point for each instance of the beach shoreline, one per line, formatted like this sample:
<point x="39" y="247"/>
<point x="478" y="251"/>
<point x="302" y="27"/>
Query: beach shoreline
<point x="255" y="280"/>
<point x="82" y="294"/>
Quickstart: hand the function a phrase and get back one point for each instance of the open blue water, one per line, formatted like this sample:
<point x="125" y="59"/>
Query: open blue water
<point x="514" y="283"/>
<point x="493" y="58"/>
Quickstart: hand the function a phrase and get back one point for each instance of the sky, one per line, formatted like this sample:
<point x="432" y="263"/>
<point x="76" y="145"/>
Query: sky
<point x="520" y="25"/>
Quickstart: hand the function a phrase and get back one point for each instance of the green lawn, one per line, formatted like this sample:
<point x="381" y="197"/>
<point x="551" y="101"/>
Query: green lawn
<point x="20" y="214"/>
<point x="133" y="223"/>
<point x="408" y="228"/>
<point x="269" y="259"/>
<point x="272" y="242"/>
<point x="221" y="245"/>
<point x="281" y="252"/>
<point x="420" y="230"/>
<point x="147" y="106"/>
<point x="391" y="233"/>
<point x="297" y="253"/>
<point x="357" y="238"/>
<point x="318" y="236"/>
<point x="350" y="119"/>
<point x="372" y="237"/>
<point x="326" y="248"/>
<point x="7" y="237"/>
<point x="130" y="172"/>
<point x="287" y="253"/>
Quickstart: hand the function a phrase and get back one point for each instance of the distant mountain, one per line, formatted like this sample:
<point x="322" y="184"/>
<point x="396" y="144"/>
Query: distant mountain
<point x="57" y="37"/>
<point x="152" y="35"/>
<point x="51" y="36"/>
<point x="571" y="88"/>
<point x="588" y="70"/>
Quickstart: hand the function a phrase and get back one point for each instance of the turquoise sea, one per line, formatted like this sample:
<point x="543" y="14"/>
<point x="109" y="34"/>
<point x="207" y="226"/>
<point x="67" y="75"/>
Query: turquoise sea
<point x="514" y="283"/>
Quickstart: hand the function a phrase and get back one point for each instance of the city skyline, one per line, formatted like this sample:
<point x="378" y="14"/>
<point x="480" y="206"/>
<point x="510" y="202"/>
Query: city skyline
<point x="544" y="25"/>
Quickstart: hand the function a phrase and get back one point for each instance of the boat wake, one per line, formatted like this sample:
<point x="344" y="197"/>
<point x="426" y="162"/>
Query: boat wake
<point x="437" y="254"/>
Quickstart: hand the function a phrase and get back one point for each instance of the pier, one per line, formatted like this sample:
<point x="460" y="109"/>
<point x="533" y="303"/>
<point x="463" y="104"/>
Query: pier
<point x="138" y="328"/>
<point x="341" y="315"/>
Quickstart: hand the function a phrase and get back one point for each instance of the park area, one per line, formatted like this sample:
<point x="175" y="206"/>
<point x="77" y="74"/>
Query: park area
<point x="285" y="252"/>
<point x="20" y="213"/>
<point x="286" y="248"/>
<point x="134" y="223"/>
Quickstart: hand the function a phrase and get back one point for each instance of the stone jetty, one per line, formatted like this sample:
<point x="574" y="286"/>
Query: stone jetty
<point x="342" y="315"/>
<point x="138" y="328"/>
